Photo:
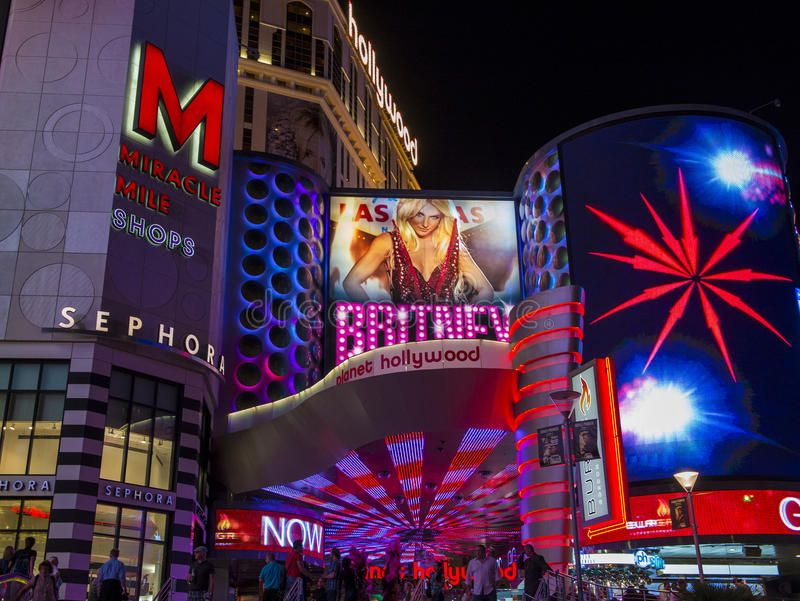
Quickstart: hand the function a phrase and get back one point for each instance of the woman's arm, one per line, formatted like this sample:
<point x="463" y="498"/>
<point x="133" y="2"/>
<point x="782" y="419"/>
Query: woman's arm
<point x="473" y="274"/>
<point x="365" y="267"/>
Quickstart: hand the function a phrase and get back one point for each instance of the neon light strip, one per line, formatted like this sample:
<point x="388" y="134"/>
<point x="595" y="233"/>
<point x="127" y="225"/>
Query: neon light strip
<point x="352" y="467"/>
<point x="291" y="493"/>
<point x="321" y="483"/>
<point x="406" y="453"/>
<point x="472" y="452"/>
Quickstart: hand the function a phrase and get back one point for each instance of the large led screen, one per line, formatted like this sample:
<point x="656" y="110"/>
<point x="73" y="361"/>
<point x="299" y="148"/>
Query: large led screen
<point x="413" y="269"/>
<point x="680" y="231"/>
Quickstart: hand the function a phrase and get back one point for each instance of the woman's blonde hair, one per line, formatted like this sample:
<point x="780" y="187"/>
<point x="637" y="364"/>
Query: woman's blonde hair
<point x="408" y="207"/>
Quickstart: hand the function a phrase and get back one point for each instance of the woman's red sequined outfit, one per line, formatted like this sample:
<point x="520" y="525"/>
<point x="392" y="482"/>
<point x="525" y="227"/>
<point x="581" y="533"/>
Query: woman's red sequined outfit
<point x="408" y="283"/>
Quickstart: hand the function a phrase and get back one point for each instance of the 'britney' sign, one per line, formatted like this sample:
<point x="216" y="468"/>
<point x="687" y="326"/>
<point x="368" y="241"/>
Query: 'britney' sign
<point x="362" y="328"/>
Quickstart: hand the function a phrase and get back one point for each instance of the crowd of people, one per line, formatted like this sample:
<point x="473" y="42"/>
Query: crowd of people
<point x="345" y="578"/>
<point x="43" y="581"/>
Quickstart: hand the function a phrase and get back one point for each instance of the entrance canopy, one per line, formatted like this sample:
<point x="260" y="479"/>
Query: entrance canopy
<point x="424" y="456"/>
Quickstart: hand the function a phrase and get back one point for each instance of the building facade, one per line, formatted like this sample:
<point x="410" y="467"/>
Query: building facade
<point x="306" y="94"/>
<point x="209" y="227"/>
<point x="113" y="211"/>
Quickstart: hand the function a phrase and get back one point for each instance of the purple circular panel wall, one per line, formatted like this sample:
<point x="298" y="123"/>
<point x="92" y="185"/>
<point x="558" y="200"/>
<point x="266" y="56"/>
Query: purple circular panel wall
<point x="543" y="235"/>
<point x="274" y="281"/>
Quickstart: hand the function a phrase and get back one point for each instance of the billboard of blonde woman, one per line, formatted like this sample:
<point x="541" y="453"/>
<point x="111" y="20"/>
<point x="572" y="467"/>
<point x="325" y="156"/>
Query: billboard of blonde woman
<point x="423" y="250"/>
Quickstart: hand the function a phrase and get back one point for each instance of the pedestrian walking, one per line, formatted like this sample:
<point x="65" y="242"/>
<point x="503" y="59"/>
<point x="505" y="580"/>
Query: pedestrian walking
<point x="533" y="567"/>
<point x="56" y="574"/>
<point x="110" y="580"/>
<point x="349" y="580"/>
<point x="332" y="575"/>
<point x="201" y="576"/>
<point x="296" y="569"/>
<point x="436" y="582"/>
<point x="43" y="585"/>
<point x="270" y="578"/>
<point x="482" y="575"/>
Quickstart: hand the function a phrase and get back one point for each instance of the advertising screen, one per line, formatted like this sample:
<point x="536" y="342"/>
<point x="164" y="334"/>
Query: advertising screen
<point x="254" y="530"/>
<point x="412" y="269"/>
<point x="680" y="231"/>
<point x="719" y="513"/>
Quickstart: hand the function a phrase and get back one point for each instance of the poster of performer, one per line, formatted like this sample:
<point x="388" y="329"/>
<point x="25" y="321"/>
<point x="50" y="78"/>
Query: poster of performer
<point x="679" y="513"/>
<point x="584" y="440"/>
<point x="423" y="250"/>
<point x="551" y="446"/>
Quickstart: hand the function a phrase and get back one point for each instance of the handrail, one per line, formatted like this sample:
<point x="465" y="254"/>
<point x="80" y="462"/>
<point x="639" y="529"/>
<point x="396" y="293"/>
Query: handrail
<point x="293" y="594"/>
<point x="564" y="587"/>
<point x="166" y="591"/>
<point x="419" y="590"/>
<point x="6" y="578"/>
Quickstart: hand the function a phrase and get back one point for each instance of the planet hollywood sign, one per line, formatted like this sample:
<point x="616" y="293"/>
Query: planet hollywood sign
<point x="361" y="328"/>
<point x="369" y="59"/>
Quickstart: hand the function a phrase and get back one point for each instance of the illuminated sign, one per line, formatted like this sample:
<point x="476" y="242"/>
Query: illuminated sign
<point x="26" y="486"/>
<point x="253" y="530"/>
<point x="602" y="482"/>
<point x="278" y="531"/>
<point x="166" y="335"/>
<point x="369" y="60"/>
<point x="156" y="95"/>
<point x="790" y="513"/>
<point x="411" y="269"/>
<point x="137" y="495"/>
<point x="358" y="328"/>
<point x="687" y="252"/>
<point x="641" y="559"/>
<point x="718" y="513"/>
<point x="484" y="354"/>
<point x="156" y="106"/>
<point x="591" y="472"/>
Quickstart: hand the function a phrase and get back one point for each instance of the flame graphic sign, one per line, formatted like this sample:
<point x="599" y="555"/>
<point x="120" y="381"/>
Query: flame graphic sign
<point x="586" y="397"/>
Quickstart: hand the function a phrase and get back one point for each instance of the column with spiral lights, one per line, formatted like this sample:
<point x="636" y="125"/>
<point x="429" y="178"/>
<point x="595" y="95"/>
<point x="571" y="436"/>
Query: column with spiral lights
<point x="546" y="344"/>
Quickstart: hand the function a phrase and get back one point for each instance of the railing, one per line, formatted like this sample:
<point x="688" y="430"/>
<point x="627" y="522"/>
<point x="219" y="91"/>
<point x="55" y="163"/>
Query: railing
<point x="563" y="587"/>
<point x="295" y="591"/>
<point x="166" y="591"/>
<point x="7" y="579"/>
<point x="419" y="590"/>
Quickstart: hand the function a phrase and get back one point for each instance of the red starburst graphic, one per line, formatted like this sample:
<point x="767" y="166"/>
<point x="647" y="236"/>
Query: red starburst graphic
<point x="679" y="258"/>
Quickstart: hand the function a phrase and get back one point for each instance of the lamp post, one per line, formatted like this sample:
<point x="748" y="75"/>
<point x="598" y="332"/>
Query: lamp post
<point x="560" y="398"/>
<point x="687" y="480"/>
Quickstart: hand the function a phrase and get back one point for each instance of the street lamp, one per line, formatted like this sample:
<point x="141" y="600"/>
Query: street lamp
<point x="687" y="480"/>
<point x="564" y="400"/>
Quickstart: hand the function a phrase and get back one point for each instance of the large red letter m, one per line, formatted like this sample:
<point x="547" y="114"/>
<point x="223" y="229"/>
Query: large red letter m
<point x="204" y="109"/>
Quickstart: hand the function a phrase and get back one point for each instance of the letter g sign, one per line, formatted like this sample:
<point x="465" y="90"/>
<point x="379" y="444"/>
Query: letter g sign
<point x="790" y="513"/>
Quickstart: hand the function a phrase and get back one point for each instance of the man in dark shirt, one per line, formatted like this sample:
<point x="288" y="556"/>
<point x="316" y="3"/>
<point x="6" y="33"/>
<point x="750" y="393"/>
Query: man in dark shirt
<point x="534" y="567"/>
<point x="201" y="576"/>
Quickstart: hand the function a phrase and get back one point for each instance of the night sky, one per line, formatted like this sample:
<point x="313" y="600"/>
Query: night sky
<point x="483" y="89"/>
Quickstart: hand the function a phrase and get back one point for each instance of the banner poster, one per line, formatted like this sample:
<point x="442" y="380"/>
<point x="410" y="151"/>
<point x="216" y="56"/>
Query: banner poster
<point x="679" y="513"/>
<point x="584" y="440"/>
<point x="551" y="446"/>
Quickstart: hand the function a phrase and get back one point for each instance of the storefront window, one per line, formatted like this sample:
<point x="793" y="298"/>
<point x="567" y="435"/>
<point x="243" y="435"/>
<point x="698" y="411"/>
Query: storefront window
<point x="31" y="410"/>
<point x="139" y="536"/>
<point x="20" y="519"/>
<point x="139" y="439"/>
